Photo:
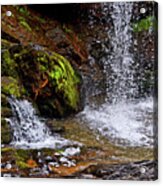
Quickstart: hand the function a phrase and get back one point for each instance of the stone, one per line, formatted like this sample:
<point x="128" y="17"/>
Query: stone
<point x="6" y="132"/>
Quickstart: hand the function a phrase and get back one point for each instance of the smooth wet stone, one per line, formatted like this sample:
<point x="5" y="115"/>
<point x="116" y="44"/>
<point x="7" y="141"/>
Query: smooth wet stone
<point x="71" y="151"/>
<point x="63" y="160"/>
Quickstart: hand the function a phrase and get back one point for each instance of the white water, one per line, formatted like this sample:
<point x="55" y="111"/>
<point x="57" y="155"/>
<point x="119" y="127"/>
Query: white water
<point x="29" y="130"/>
<point x="122" y="119"/>
<point x="130" y="124"/>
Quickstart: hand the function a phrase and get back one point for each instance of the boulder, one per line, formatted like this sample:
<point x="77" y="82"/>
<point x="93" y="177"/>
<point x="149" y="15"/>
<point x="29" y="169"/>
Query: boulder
<point x="49" y="79"/>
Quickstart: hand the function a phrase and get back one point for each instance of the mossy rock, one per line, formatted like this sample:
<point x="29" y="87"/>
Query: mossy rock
<point x="6" y="132"/>
<point x="4" y="101"/>
<point x="50" y="81"/>
<point x="8" y="65"/>
<point x="11" y="86"/>
<point x="6" y="112"/>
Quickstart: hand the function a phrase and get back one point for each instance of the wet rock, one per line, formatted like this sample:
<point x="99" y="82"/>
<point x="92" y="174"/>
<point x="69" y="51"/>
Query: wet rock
<point x="4" y="101"/>
<point x="63" y="160"/>
<point x="6" y="132"/>
<point x="55" y="127"/>
<point x="56" y="88"/>
<point x="6" y="112"/>
<point x="10" y="86"/>
<point x="128" y="171"/>
<point x="71" y="151"/>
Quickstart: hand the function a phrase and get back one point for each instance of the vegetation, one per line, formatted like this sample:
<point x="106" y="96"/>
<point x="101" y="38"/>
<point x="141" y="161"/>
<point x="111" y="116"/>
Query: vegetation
<point x="145" y="24"/>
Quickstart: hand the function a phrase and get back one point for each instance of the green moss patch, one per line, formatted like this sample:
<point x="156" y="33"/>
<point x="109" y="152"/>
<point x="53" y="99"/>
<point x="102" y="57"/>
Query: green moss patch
<point x="145" y="24"/>
<point x="10" y="86"/>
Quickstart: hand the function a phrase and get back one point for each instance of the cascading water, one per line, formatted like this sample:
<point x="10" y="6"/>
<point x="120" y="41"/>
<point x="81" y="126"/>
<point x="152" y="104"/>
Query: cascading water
<point x="124" y="119"/>
<point x="28" y="129"/>
<point x="121" y="83"/>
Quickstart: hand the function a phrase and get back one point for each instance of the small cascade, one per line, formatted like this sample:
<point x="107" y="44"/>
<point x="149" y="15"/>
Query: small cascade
<point x="29" y="130"/>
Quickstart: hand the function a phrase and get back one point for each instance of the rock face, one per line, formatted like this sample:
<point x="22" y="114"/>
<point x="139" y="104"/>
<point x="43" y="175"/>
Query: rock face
<point x="41" y="66"/>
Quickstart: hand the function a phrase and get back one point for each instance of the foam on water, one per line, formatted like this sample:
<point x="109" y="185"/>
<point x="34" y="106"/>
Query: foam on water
<point x="130" y="124"/>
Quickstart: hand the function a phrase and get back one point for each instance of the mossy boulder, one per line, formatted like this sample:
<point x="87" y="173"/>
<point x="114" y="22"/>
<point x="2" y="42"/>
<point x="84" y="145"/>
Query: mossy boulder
<point x="6" y="132"/>
<point x="49" y="79"/>
<point x="11" y="86"/>
<point x="10" y="81"/>
<point x="8" y="64"/>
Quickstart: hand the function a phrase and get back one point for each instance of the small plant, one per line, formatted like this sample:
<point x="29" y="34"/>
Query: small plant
<point x="145" y="24"/>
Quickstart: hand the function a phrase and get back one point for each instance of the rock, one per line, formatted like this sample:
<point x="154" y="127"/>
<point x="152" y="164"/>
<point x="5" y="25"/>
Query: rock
<point x="6" y="112"/>
<point x="71" y="151"/>
<point x="4" y="101"/>
<point x="8" y="64"/>
<point x="10" y="86"/>
<point x="56" y="87"/>
<point x="6" y="132"/>
<point x="55" y="127"/>
<point x="63" y="160"/>
<point x="128" y="171"/>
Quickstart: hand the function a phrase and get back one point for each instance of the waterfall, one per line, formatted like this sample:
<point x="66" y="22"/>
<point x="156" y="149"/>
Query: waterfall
<point x="29" y="131"/>
<point x="121" y="83"/>
<point x="123" y="119"/>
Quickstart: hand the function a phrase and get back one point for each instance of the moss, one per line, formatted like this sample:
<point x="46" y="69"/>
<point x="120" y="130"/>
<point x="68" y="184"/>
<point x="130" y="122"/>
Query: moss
<point x="22" y="165"/>
<point x="5" y="44"/>
<point x="10" y="86"/>
<point x="24" y="158"/>
<point x="61" y="73"/>
<point x="65" y="79"/>
<point x="145" y="24"/>
<point x="6" y="112"/>
<point x="23" y="10"/>
<point x="21" y="156"/>
<point x="6" y="132"/>
<point x="24" y="23"/>
<point x="8" y="65"/>
<point x="7" y="149"/>
<point x="66" y="29"/>
<point x="42" y="20"/>
<point x="55" y="88"/>
<point x="4" y="101"/>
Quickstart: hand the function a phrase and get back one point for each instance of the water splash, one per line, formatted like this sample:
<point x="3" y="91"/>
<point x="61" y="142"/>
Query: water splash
<point x="29" y="130"/>
<point x="123" y="119"/>
<point x="129" y="124"/>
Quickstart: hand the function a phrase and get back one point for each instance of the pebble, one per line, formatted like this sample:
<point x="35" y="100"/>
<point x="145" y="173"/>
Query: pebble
<point x="57" y="154"/>
<point x="39" y="154"/>
<point x="48" y="158"/>
<point x="53" y="163"/>
<point x="63" y="160"/>
<point x="71" y="151"/>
